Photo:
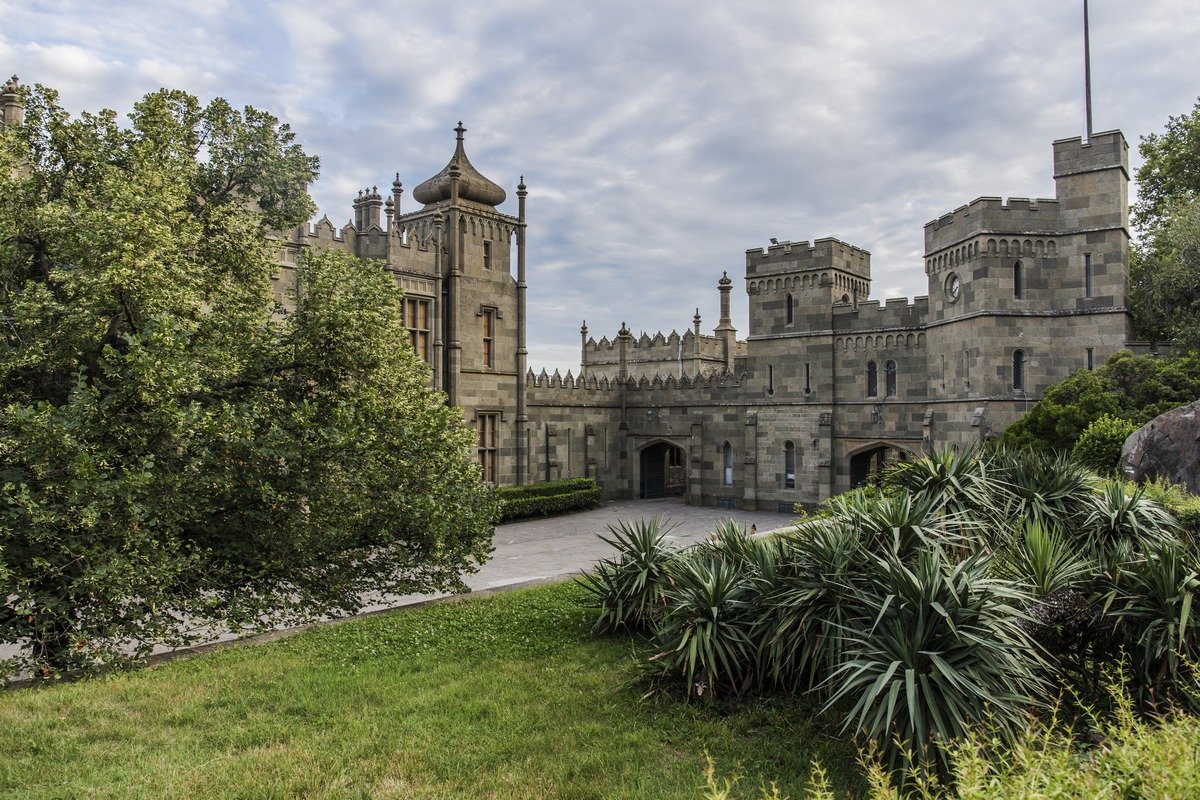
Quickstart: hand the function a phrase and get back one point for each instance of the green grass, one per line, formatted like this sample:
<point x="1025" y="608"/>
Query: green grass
<point x="509" y="696"/>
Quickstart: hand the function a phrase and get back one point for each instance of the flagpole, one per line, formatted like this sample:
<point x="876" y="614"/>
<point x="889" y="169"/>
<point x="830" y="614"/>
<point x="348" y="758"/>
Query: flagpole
<point x="1087" y="71"/>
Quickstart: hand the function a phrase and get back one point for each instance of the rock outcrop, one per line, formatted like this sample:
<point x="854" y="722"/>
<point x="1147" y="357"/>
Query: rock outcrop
<point x="1166" y="446"/>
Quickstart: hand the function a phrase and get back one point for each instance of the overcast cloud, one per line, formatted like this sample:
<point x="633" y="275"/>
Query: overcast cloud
<point x="660" y="139"/>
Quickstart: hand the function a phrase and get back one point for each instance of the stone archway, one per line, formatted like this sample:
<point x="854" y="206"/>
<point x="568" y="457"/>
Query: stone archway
<point x="663" y="470"/>
<point x="869" y="460"/>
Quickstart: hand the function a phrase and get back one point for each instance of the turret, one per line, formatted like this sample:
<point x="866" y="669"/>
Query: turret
<point x="12" y="109"/>
<point x="725" y="330"/>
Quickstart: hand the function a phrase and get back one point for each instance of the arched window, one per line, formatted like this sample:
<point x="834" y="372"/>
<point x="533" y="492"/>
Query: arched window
<point x="889" y="378"/>
<point x="789" y="465"/>
<point x="872" y="379"/>
<point x="791" y="314"/>
<point x="1018" y="281"/>
<point x="727" y="460"/>
<point x="1018" y="372"/>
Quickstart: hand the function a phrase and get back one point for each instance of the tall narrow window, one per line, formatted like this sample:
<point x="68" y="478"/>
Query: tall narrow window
<point x="872" y="379"/>
<point x="789" y="465"/>
<point x="791" y="313"/>
<point x="487" y="255"/>
<point x="889" y="378"/>
<point x="807" y="379"/>
<point x="489" y="337"/>
<point x="1018" y="370"/>
<point x="770" y="379"/>
<point x="727" y="461"/>
<point x="1087" y="274"/>
<point x="486" y="425"/>
<point x="416" y="321"/>
<point x="1018" y="281"/>
<point x="1091" y="363"/>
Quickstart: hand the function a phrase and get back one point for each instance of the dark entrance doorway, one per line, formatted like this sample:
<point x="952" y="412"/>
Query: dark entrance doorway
<point x="869" y="461"/>
<point x="664" y="473"/>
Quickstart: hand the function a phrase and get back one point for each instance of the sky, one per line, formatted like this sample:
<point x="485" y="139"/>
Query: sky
<point x="660" y="139"/>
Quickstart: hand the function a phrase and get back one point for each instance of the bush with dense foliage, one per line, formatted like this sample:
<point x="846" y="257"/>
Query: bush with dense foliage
<point x="548" y="498"/>
<point x="174" y="447"/>
<point x="1131" y="388"/>
<point x="1099" y="446"/>
<point x="965" y="589"/>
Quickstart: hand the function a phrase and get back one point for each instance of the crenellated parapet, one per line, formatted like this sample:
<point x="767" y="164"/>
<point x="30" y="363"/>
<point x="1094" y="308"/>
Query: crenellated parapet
<point x="822" y="255"/>
<point x="894" y="313"/>
<point x="648" y="355"/>
<point x="963" y="234"/>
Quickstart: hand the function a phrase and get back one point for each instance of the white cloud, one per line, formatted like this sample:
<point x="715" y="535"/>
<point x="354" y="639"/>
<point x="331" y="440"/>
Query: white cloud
<point x="659" y="140"/>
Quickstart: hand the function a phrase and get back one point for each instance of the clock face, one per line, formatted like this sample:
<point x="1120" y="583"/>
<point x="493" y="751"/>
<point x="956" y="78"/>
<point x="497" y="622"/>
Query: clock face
<point x="953" y="287"/>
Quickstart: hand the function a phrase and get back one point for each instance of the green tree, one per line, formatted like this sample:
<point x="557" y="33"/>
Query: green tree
<point x="174" y="447"/>
<point x="1127" y="387"/>
<point x="1164" y="265"/>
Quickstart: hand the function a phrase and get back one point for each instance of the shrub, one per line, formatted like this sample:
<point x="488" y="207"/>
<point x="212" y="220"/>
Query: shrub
<point x="548" y="499"/>
<point x="1099" y="446"/>
<point x="628" y="589"/>
<point x="936" y="646"/>
<point x="704" y="632"/>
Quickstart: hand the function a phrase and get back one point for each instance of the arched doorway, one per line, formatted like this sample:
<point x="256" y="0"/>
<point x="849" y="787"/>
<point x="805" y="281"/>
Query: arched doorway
<point x="663" y="471"/>
<point x="873" y="459"/>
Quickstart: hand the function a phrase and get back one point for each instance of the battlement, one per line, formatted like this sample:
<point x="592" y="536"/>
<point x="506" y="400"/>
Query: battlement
<point x="993" y="215"/>
<point x="894" y="313"/>
<point x="1107" y="150"/>
<point x="822" y="254"/>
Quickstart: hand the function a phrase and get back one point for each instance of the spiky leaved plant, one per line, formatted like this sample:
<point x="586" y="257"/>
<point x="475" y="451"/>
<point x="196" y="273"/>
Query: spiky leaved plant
<point x="703" y="634"/>
<point x="1050" y="490"/>
<point x="628" y="588"/>
<point x="937" y="647"/>
<point x="1121" y="511"/>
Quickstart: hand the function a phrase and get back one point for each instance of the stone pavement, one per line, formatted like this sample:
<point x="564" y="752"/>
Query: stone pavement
<point x="542" y="550"/>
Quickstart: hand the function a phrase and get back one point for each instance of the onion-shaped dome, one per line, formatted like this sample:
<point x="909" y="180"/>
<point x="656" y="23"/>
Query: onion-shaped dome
<point x="471" y="183"/>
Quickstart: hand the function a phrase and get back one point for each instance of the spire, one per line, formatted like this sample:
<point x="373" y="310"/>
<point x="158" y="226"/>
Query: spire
<point x="1087" y="74"/>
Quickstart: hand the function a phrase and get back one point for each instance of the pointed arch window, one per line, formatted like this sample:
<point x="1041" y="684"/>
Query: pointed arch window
<point x="889" y="378"/>
<point x="791" y="311"/>
<point x="1018" y="371"/>
<point x="872" y="379"/>
<point x="727" y="461"/>
<point x="1018" y="281"/>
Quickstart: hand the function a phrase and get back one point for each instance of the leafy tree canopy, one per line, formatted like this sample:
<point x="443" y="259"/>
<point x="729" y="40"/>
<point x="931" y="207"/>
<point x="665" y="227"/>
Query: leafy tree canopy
<point x="1165" y="263"/>
<point x="1127" y="387"/>
<point x="174" y="446"/>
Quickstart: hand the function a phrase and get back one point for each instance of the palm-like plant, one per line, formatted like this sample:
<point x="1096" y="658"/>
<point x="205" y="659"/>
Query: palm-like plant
<point x="897" y="523"/>
<point x="936" y="647"/>
<point x="1156" y="618"/>
<point x="1119" y="512"/>
<point x="703" y="634"/>
<point x="1049" y="490"/>
<point x="955" y="480"/>
<point x="628" y="589"/>
<point x="1044" y="560"/>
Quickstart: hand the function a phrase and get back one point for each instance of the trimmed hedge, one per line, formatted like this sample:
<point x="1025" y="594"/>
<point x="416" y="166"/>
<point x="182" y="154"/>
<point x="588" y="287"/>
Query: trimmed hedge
<point x="548" y="499"/>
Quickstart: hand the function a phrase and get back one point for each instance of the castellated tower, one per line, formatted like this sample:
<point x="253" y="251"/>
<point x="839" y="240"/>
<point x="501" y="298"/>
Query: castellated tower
<point x="792" y="285"/>
<point x="1039" y="286"/>
<point x="463" y="306"/>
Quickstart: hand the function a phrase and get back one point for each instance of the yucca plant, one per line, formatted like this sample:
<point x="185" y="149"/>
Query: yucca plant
<point x="901" y="524"/>
<point x="628" y="588"/>
<point x="1120" y="511"/>
<point x="805" y="610"/>
<point x="1045" y="560"/>
<point x="1157" y="621"/>
<point x="937" y="647"/>
<point x="953" y="479"/>
<point x="1045" y="489"/>
<point x="703" y="634"/>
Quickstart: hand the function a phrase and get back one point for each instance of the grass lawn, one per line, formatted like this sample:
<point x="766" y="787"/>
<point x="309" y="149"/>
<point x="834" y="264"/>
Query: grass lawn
<point x="508" y="696"/>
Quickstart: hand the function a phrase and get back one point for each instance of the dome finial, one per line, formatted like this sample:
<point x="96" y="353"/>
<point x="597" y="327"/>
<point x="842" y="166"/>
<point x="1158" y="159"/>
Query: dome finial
<point x="460" y="130"/>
